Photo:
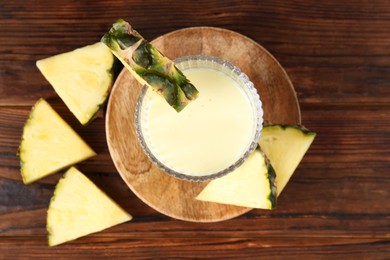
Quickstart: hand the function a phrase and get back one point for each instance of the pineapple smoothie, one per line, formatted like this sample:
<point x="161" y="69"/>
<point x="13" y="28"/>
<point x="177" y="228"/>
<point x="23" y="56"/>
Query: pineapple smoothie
<point x="213" y="133"/>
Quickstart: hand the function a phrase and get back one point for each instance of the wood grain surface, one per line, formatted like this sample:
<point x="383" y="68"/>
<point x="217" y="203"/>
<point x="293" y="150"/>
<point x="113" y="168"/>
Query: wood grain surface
<point x="337" y="55"/>
<point x="166" y="194"/>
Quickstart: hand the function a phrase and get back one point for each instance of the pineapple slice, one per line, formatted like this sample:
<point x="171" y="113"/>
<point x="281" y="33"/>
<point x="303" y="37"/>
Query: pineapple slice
<point x="79" y="208"/>
<point x="250" y="185"/>
<point x="285" y="147"/>
<point x="49" y="144"/>
<point x="82" y="78"/>
<point x="149" y="66"/>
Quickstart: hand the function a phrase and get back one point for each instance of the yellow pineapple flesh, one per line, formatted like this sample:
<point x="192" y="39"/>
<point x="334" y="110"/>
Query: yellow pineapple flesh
<point x="49" y="144"/>
<point x="78" y="208"/>
<point x="250" y="185"/>
<point x="285" y="147"/>
<point x="82" y="78"/>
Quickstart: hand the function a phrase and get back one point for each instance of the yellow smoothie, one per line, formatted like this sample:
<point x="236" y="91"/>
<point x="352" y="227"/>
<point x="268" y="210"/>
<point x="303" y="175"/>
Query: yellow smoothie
<point x="210" y="134"/>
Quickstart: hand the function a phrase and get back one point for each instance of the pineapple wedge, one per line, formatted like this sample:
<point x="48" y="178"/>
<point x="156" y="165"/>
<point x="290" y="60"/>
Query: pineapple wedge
<point x="285" y="147"/>
<point x="82" y="78"/>
<point x="149" y="66"/>
<point x="79" y="208"/>
<point x="250" y="185"/>
<point x="49" y="144"/>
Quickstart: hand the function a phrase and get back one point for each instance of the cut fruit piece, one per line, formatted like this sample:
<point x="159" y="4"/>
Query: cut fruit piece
<point x="82" y="78"/>
<point x="149" y="66"/>
<point x="285" y="147"/>
<point x="49" y="144"/>
<point x="78" y="208"/>
<point x="251" y="185"/>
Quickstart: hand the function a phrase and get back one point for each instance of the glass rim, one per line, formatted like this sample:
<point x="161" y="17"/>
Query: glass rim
<point x="253" y="143"/>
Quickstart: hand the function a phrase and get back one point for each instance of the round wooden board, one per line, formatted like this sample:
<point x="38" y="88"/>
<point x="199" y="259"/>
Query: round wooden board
<point x="166" y="194"/>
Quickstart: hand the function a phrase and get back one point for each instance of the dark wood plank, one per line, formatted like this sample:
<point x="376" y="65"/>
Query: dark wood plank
<point x="329" y="49"/>
<point x="193" y="248"/>
<point x="337" y="54"/>
<point x="340" y="188"/>
<point x="343" y="136"/>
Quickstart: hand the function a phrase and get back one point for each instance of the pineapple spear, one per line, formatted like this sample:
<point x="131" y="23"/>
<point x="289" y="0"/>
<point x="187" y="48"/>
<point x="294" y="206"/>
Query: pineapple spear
<point x="149" y="66"/>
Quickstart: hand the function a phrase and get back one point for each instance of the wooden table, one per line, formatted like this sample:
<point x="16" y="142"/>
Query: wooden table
<point x="337" y="54"/>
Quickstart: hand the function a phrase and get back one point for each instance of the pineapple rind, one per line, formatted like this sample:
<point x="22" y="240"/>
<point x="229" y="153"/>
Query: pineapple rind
<point x="49" y="144"/>
<point x="149" y="66"/>
<point x="82" y="78"/>
<point x="78" y="208"/>
<point x="272" y="180"/>
<point x="251" y="185"/>
<point x="285" y="146"/>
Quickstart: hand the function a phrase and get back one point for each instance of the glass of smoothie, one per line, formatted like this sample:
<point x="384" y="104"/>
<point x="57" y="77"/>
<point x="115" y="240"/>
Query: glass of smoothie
<point x="213" y="134"/>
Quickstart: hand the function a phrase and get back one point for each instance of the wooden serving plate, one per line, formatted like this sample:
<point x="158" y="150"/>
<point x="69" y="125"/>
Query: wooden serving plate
<point x="166" y="194"/>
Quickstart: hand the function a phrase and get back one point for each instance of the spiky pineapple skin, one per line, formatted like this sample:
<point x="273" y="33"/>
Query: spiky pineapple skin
<point x="149" y="65"/>
<point x="272" y="180"/>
